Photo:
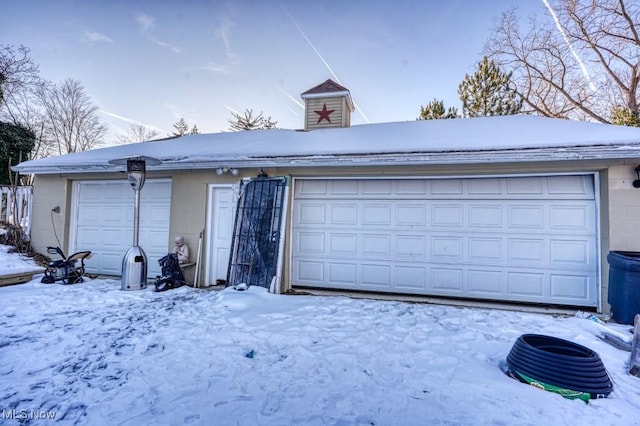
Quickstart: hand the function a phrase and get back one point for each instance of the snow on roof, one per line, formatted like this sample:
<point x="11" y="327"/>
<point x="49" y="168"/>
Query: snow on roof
<point x="499" y="139"/>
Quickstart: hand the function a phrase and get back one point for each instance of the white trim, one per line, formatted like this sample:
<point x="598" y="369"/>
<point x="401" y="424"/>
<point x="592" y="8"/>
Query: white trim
<point x="326" y="95"/>
<point x="456" y="176"/>
<point x="283" y="236"/>
<point x="596" y="189"/>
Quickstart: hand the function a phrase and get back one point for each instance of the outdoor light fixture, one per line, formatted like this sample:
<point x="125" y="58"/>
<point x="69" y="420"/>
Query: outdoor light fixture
<point x="134" y="262"/>
<point x="222" y="170"/>
<point x="636" y="183"/>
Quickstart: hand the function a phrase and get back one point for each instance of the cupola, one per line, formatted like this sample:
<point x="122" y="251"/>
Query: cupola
<point x="327" y="105"/>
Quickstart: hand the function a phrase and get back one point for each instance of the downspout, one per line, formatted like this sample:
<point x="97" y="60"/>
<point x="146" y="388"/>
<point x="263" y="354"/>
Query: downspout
<point x="276" y="283"/>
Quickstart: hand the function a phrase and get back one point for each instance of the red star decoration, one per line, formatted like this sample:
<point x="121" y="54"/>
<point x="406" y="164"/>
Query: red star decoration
<point x="324" y="114"/>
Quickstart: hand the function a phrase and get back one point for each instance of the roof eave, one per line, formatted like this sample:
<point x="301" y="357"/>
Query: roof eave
<point x="386" y="159"/>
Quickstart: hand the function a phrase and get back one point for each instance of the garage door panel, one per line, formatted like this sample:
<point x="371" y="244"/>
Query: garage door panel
<point x="526" y="217"/>
<point x="579" y="186"/>
<point x="310" y="243"/>
<point x="378" y="246"/>
<point x="310" y="272"/>
<point x="571" y="217"/>
<point x="411" y="215"/>
<point x="486" y="282"/>
<point x="346" y="244"/>
<point x="447" y="215"/>
<point x="572" y="288"/>
<point x="495" y="238"/>
<point x="449" y="248"/>
<point x="448" y="279"/>
<point x="342" y="273"/>
<point x="376" y="275"/>
<point x="376" y="187"/>
<point x="411" y="246"/>
<point x="447" y="187"/>
<point x="526" y="251"/>
<point x="529" y="284"/>
<point x="411" y="187"/>
<point x="376" y="214"/>
<point x="525" y="186"/>
<point x="485" y="250"/>
<point x="411" y="278"/>
<point x="311" y="213"/>
<point x="485" y="187"/>
<point x="343" y="214"/>
<point x="485" y="216"/>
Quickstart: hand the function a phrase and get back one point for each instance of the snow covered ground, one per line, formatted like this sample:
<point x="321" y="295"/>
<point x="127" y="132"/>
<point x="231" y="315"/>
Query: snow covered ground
<point x="92" y="354"/>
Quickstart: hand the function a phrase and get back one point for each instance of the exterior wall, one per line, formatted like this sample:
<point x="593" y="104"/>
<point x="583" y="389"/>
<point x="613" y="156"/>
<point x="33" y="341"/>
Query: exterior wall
<point x="316" y="104"/>
<point x="624" y="209"/>
<point x="50" y="191"/>
<point x="619" y="200"/>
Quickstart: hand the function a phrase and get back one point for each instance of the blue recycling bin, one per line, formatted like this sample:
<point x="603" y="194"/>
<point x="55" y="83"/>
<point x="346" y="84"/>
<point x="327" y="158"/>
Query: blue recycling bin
<point x="624" y="285"/>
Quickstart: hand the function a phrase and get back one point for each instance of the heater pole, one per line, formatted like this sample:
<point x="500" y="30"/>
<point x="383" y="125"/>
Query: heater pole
<point x="134" y="262"/>
<point x="136" y="217"/>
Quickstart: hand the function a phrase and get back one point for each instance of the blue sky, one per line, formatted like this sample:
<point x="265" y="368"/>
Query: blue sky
<point x="156" y="61"/>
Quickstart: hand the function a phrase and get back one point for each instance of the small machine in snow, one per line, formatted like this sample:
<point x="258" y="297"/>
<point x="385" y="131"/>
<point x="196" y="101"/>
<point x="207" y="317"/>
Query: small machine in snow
<point x="69" y="270"/>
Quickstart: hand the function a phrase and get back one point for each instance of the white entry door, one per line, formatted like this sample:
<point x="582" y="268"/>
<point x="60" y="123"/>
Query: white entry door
<point x="222" y="208"/>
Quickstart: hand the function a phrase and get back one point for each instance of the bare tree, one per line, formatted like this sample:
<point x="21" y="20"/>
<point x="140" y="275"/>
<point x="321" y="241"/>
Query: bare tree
<point x="17" y="70"/>
<point x="23" y="108"/>
<point x="582" y="65"/>
<point x="138" y="132"/>
<point x="247" y="121"/>
<point x="19" y="105"/>
<point x="72" y="122"/>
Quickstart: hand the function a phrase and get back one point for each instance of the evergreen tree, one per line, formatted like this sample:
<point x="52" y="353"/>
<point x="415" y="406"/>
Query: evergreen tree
<point x="16" y="144"/>
<point x="488" y="92"/>
<point x="247" y="121"/>
<point x="435" y="110"/>
<point x="180" y="127"/>
<point x="194" y="130"/>
<point x="625" y="117"/>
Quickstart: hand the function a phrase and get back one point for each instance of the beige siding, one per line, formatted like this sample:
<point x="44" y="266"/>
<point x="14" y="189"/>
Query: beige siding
<point x="316" y="104"/>
<point x="624" y="209"/>
<point x="50" y="192"/>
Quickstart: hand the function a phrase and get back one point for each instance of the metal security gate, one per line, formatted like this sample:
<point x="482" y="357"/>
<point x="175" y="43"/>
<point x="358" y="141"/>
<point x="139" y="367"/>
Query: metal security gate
<point x="256" y="232"/>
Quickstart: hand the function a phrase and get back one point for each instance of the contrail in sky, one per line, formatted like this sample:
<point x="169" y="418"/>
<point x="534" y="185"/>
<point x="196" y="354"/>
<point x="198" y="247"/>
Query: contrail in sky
<point x="566" y="40"/>
<point x="128" y="120"/>
<point x="326" y="64"/>
<point x="233" y="110"/>
<point x="297" y="102"/>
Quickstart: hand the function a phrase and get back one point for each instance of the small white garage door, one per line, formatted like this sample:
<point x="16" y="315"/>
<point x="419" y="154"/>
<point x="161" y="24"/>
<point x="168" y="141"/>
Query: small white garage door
<point x="104" y="223"/>
<point x="528" y="239"/>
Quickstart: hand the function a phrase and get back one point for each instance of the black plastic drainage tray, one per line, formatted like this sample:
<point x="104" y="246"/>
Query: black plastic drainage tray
<point x="560" y="366"/>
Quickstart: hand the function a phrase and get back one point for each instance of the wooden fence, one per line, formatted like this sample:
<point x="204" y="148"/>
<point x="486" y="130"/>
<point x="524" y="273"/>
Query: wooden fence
<point x="15" y="206"/>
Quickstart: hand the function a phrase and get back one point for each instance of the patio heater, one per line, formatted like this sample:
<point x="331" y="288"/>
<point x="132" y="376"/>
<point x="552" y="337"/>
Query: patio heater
<point x="134" y="262"/>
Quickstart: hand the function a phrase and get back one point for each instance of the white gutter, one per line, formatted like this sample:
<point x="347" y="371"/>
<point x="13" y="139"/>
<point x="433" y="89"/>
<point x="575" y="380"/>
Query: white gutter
<point x="607" y="152"/>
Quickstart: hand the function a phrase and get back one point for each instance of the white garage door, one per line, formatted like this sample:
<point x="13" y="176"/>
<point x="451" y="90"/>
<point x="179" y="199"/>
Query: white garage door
<point x="104" y="223"/>
<point x="529" y="239"/>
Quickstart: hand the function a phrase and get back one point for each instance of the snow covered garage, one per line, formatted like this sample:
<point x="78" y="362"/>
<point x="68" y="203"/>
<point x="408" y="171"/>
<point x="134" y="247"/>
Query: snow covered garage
<point x="517" y="208"/>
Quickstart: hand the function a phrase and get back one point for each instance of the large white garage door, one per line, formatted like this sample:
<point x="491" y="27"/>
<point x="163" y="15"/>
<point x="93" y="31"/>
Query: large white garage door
<point x="104" y="223"/>
<point x="529" y="239"/>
